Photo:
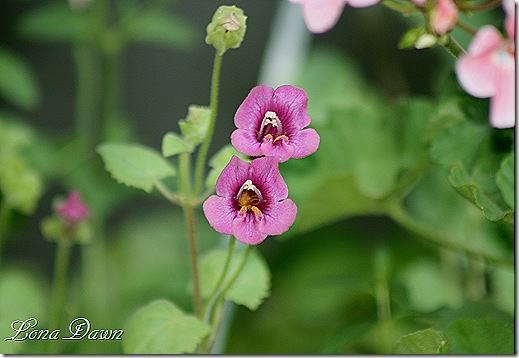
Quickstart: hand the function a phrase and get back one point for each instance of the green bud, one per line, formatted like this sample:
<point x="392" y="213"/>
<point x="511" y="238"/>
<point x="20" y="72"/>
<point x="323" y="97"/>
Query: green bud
<point x="227" y="29"/>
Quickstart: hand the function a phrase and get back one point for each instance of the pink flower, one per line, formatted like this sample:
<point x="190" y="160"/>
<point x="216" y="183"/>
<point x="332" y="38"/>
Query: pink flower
<point x="251" y="201"/>
<point x="444" y="16"/>
<point x="72" y="210"/>
<point x="509" y="7"/>
<point x="322" y="15"/>
<point x="270" y="123"/>
<point x="488" y="70"/>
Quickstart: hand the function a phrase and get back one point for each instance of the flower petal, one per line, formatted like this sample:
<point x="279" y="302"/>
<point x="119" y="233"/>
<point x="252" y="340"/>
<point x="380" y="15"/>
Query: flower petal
<point x="245" y="141"/>
<point x="281" y="151"/>
<point x="322" y="15"/>
<point x="509" y="7"/>
<point x="305" y="142"/>
<point x="362" y="3"/>
<point x="279" y="217"/>
<point x="232" y="177"/>
<point x="219" y="213"/>
<point x="245" y="229"/>
<point x="250" y="113"/>
<point x="502" y="105"/>
<point x="476" y="74"/>
<point x="290" y="104"/>
<point x="487" y="39"/>
<point x="266" y="176"/>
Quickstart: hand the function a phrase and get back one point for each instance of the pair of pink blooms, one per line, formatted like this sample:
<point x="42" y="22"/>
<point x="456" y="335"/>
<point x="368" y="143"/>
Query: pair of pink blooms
<point x="487" y="70"/>
<point x="251" y="200"/>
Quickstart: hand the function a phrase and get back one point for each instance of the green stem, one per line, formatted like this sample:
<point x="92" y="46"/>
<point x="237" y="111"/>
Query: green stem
<point x="189" y="217"/>
<point x="87" y="100"/>
<point x="170" y="196"/>
<point x="213" y="294"/>
<point x="202" y="154"/>
<point x="489" y="5"/>
<point x="405" y="8"/>
<point x="452" y="46"/>
<point x="408" y="222"/>
<point x="59" y="289"/>
<point x="217" y="310"/>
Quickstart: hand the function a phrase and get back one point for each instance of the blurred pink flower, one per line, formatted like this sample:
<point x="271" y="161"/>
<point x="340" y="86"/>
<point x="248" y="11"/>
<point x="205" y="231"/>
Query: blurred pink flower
<point x="251" y="201"/>
<point x="444" y="16"/>
<point x="509" y="7"/>
<point x="72" y="210"/>
<point x="322" y="15"/>
<point x="270" y="123"/>
<point x="488" y="70"/>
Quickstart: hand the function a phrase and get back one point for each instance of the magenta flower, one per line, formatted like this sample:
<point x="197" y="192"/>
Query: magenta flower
<point x="444" y="16"/>
<point x="72" y="210"/>
<point x="488" y="70"/>
<point x="251" y="201"/>
<point x="322" y="15"/>
<point x="270" y="123"/>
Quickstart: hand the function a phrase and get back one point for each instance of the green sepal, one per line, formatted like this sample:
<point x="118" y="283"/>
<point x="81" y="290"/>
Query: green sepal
<point x="54" y="229"/>
<point x="227" y="28"/>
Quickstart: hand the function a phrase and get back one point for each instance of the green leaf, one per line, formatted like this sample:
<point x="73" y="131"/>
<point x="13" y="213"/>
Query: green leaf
<point x="17" y="81"/>
<point x="135" y="165"/>
<point x="194" y="128"/>
<point x="422" y="342"/>
<point x="56" y="22"/>
<point x="252" y="285"/>
<point x="493" y="208"/>
<point x="161" y="28"/>
<point x="218" y="161"/>
<point x="19" y="184"/>
<point x="172" y="144"/>
<point x="162" y="328"/>
<point x="505" y="179"/>
<point x="479" y="336"/>
<point x="21" y="297"/>
<point x="458" y="143"/>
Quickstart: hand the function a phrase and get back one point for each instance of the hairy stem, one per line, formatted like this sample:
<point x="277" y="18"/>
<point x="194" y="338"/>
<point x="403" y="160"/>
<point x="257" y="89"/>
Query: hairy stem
<point x="202" y="154"/>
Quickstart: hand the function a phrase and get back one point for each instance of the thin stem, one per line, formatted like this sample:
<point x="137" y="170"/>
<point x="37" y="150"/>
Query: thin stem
<point x="405" y="8"/>
<point x="225" y="269"/>
<point x="189" y="216"/>
<point x="469" y="29"/>
<point x="170" y="196"/>
<point x="202" y="154"/>
<point x="217" y="310"/>
<point x="404" y="219"/>
<point x="59" y="289"/>
<point x="488" y="5"/>
<point x="453" y="47"/>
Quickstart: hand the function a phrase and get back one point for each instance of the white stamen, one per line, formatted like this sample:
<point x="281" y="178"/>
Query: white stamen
<point x="271" y="118"/>
<point x="249" y="186"/>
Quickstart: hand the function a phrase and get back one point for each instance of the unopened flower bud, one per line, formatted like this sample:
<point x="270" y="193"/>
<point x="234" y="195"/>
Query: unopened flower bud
<point x="227" y="28"/>
<point x="72" y="210"/>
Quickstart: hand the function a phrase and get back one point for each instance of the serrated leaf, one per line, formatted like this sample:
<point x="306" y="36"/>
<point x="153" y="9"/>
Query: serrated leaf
<point x="56" y="22"/>
<point x="17" y="81"/>
<point x="218" y="161"/>
<point x="161" y="28"/>
<point x="252" y="285"/>
<point x="492" y="207"/>
<point x="422" y="342"/>
<point x="479" y="336"/>
<point x="505" y="179"/>
<point x="162" y="328"/>
<point x="135" y="165"/>
<point x="194" y="128"/>
<point x="172" y="144"/>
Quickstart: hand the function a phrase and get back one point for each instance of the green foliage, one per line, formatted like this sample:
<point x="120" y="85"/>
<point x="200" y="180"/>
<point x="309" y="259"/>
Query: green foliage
<point x="422" y="342"/>
<point x="479" y="336"/>
<point x="505" y="179"/>
<point x="57" y="22"/>
<point x="252" y="285"/>
<point x="135" y="165"/>
<point x="17" y="81"/>
<point x="21" y="186"/>
<point x="54" y="230"/>
<point x="219" y="160"/>
<point x="159" y="27"/>
<point x="194" y="130"/>
<point x="22" y="296"/>
<point x="162" y="328"/>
